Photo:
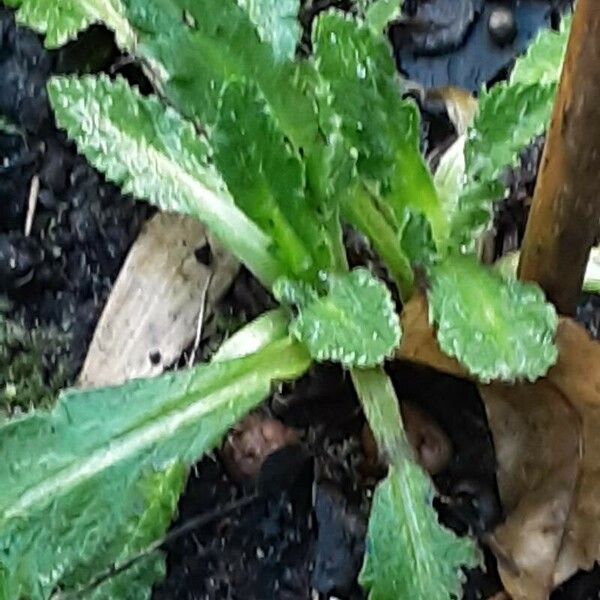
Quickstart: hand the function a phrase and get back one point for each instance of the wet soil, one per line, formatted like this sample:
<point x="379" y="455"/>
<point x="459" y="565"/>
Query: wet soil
<point x="303" y="537"/>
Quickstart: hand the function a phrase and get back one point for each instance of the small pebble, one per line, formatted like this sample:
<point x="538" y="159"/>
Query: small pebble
<point x="502" y="25"/>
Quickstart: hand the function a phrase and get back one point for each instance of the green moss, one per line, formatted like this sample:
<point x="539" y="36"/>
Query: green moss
<point x="32" y="366"/>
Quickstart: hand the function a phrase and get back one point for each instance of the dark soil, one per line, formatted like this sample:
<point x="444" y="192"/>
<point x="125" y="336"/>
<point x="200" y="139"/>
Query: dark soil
<point x="302" y="538"/>
<point x="59" y="275"/>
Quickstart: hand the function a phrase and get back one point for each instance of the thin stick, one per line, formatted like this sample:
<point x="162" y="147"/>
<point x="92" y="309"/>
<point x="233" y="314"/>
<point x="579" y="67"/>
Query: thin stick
<point x="200" y="322"/>
<point x="174" y="534"/>
<point x="565" y="214"/>
<point x="34" y="190"/>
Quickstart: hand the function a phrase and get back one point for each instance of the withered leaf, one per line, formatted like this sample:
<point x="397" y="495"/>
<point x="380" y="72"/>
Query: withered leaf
<point x="548" y="453"/>
<point x="152" y="312"/>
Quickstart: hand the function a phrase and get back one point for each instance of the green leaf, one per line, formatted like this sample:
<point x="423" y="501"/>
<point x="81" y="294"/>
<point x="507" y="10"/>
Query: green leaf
<point x="385" y="235"/>
<point x="355" y="323"/>
<point x="543" y="61"/>
<point x="277" y="23"/>
<point x="509" y="117"/>
<point x="363" y="89"/>
<point x="380" y="129"/>
<point x="408" y="553"/>
<point x="380" y="12"/>
<point x="97" y="478"/>
<point x="254" y="336"/>
<point x="217" y="43"/>
<point x="152" y="153"/>
<point x="498" y="329"/>
<point x="62" y="20"/>
<point x="266" y="177"/>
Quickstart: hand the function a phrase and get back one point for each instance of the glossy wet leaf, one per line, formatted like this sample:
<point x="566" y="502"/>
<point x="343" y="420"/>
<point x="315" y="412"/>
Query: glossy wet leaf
<point x="267" y="179"/>
<point x="354" y="322"/>
<point x="61" y="21"/>
<point x="408" y="554"/>
<point x="380" y="129"/>
<point x="498" y="329"/>
<point x="97" y="479"/>
<point x="152" y="153"/>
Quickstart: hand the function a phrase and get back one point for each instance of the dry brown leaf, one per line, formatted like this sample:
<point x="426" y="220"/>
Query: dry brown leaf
<point x="152" y="313"/>
<point x="548" y="452"/>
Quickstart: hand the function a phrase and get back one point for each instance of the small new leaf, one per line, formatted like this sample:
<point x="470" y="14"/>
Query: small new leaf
<point x="409" y="554"/>
<point x="509" y="117"/>
<point x="355" y="323"/>
<point x="498" y="329"/>
<point x="543" y="60"/>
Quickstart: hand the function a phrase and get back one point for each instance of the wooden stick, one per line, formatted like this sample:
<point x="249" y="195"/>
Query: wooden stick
<point x="565" y="214"/>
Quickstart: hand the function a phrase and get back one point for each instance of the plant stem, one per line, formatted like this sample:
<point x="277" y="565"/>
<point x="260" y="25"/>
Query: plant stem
<point x="360" y="211"/>
<point x="256" y="335"/>
<point x="566" y="207"/>
<point x="380" y="405"/>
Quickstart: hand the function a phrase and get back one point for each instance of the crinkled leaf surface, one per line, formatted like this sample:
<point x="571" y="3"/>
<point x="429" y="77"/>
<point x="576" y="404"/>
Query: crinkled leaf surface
<point x="364" y="90"/>
<point x="62" y="20"/>
<point x="98" y="478"/>
<point x="152" y="153"/>
<point x="379" y="128"/>
<point x="409" y="554"/>
<point x="354" y="322"/>
<point x="277" y="23"/>
<point x="509" y="117"/>
<point x="266" y="177"/>
<point x="361" y="81"/>
<point x="219" y="42"/>
<point x="497" y="329"/>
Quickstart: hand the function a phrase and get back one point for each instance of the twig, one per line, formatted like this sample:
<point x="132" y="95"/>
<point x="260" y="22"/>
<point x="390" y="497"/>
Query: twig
<point x="34" y="190"/>
<point x="200" y="322"/>
<point x="174" y="534"/>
